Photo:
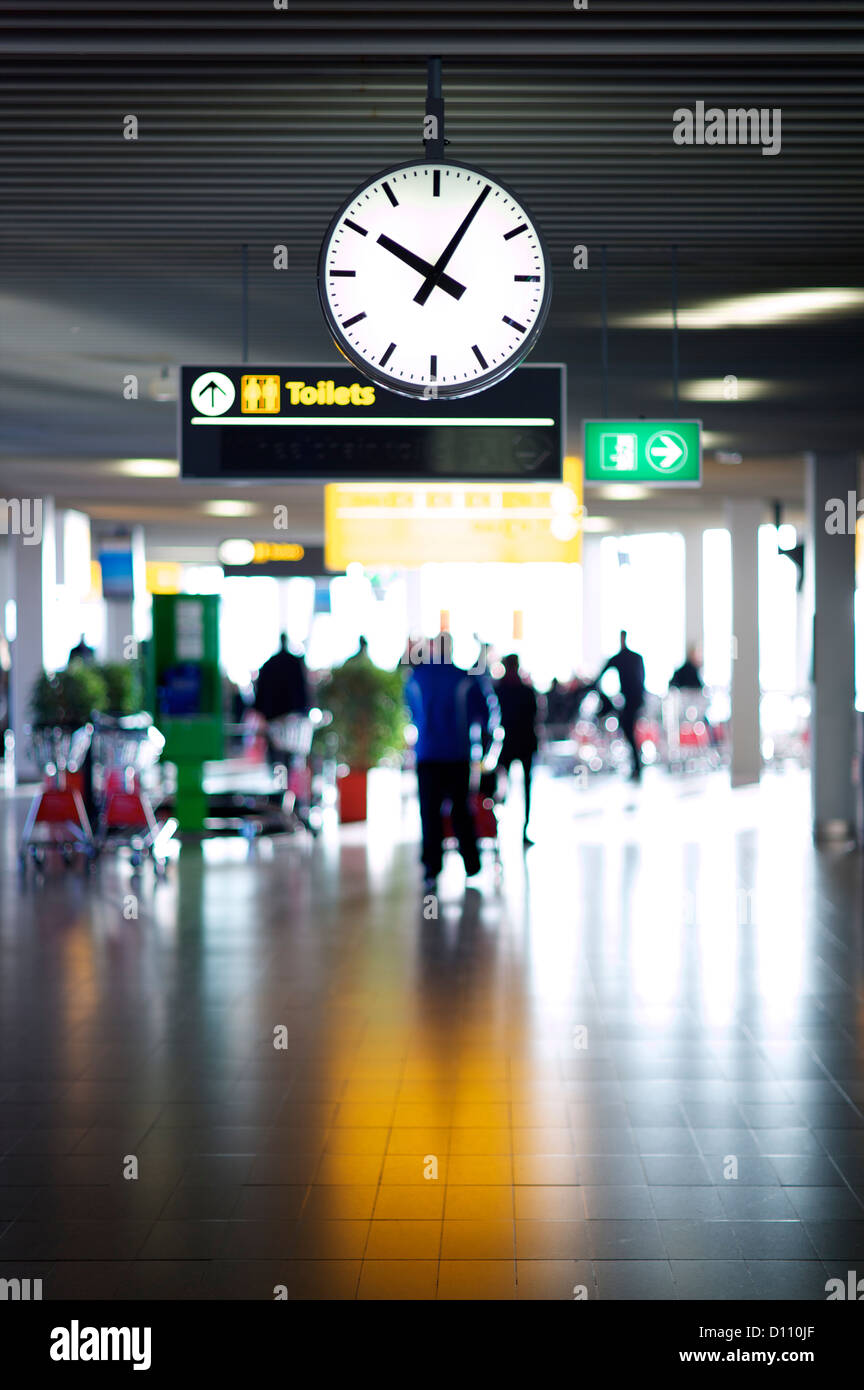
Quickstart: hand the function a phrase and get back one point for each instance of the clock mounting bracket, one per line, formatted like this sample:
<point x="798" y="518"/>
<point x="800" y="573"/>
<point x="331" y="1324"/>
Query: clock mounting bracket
<point x="433" y="123"/>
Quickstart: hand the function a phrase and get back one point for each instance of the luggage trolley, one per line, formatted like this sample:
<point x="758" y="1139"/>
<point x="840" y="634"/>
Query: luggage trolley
<point x="290" y="738"/>
<point x="483" y="799"/>
<point x="57" y="818"/>
<point x="122" y="750"/>
<point x="688" y="738"/>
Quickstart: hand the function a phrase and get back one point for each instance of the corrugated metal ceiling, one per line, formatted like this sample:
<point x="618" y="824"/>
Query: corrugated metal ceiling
<point x="254" y="124"/>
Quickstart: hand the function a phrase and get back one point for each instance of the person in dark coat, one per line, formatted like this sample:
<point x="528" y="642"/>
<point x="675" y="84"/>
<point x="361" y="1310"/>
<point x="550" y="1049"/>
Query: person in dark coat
<point x="517" y="701"/>
<point x="687" y="677"/>
<point x="631" y="678"/>
<point x="82" y="652"/>
<point x="446" y="704"/>
<point x="282" y="687"/>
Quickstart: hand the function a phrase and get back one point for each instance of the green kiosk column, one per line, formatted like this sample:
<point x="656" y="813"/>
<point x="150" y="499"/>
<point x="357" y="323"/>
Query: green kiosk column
<point x="185" y="692"/>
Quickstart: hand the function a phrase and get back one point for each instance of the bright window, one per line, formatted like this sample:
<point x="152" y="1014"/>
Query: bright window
<point x="717" y="607"/>
<point x="643" y="592"/>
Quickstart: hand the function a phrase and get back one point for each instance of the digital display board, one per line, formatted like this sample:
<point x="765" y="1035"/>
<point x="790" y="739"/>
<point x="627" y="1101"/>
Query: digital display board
<point x="329" y="424"/>
<point x="274" y="559"/>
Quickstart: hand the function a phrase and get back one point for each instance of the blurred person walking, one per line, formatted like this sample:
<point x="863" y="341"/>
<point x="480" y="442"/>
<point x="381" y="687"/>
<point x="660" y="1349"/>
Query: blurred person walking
<point x="631" y="678"/>
<point x="688" y="676"/>
<point x="449" y="707"/>
<point x="282" y="688"/>
<point x="81" y="652"/>
<point x="517" y="701"/>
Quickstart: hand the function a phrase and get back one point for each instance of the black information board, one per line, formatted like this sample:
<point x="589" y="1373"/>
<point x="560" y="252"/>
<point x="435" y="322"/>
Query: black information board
<point x="269" y="561"/>
<point x="329" y="424"/>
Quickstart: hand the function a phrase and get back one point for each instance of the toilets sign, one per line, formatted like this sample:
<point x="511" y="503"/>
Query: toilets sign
<point x="653" y="453"/>
<point x="328" y="423"/>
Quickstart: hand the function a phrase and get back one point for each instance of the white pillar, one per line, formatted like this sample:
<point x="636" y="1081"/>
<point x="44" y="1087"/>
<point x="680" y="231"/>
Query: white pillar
<point x="593" y="654"/>
<point x="743" y="518"/>
<point x="7" y="590"/>
<point x="693" y="591"/>
<point x="287" y="621"/>
<point x="125" y="617"/>
<point x="34" y="560"/>
<point x="118" y="628"/>
<point x="831" y="561"/>
<point x="414" y="603"/>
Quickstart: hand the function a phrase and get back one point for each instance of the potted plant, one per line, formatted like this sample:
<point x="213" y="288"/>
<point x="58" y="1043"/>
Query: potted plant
<point x="368" y="722"/>
<point x="123" y="692"/>
<point x="67" y="699"/>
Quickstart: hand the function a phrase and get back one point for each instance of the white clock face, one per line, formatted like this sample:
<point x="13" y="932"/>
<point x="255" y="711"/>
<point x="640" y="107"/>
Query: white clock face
<point x="434" y="280"/>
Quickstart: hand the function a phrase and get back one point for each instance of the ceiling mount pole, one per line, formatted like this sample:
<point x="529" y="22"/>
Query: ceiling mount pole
<point x="604" y="337"/>
<point x="244" y="301"/>
<point x="675" y="329"/>
<point x="434" y="123"/>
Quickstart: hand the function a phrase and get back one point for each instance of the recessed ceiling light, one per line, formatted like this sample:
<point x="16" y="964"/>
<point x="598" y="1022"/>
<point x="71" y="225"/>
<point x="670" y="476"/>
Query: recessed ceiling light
<point x="564" y="528"/>
<point x="237" y="552"/>
<point x="731" y="388"/>
<point x="147" y="468"/>
<point x="598" y="523"/>
<point x="230" y="507"/>
<point x="163" y="387"/>
<point x="754" y="310"/>
<point x="624" y="492"/>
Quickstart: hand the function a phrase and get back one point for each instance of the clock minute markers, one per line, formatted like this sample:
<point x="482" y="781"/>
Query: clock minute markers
<point x="474" y="214"/>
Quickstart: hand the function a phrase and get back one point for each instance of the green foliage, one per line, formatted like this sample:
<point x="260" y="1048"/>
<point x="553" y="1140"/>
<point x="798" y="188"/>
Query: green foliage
<point x="367" y="705"/>
<point x="68" y="698"/>
<point x="123" y="693"/>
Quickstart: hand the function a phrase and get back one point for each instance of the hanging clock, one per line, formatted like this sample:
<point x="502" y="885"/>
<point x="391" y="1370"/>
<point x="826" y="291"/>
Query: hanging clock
<point x="434" y="279"/>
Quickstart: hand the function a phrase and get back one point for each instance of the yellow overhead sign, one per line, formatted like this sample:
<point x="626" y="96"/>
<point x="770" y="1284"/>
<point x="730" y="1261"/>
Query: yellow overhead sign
<point x="265" y="551"/>
<point x="376" y="524"/>
<point x="163" y="576"/>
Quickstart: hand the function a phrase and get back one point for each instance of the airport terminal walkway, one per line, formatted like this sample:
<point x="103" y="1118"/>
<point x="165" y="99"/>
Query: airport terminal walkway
<point x="637" y="1070"/>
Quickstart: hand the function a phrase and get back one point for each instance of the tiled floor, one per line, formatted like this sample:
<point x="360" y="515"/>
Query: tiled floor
<point x="634" y="1069"/>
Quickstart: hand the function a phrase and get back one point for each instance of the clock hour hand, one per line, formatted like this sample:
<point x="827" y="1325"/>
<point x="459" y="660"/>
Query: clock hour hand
<point x="436" y="276"/>
<point x="423" y="267"/>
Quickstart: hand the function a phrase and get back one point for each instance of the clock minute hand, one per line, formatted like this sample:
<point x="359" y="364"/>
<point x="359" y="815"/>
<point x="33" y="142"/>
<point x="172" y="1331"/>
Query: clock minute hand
<point x="437" y="277"/>
<point x="424" y="267"/>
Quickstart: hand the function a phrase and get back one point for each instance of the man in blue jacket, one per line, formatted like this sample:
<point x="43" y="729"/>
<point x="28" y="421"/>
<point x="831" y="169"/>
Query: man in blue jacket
<point x="450" y="709"/>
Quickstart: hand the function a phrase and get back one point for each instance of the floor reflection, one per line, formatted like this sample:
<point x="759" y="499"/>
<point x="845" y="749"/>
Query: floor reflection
<point x="632" y="1065"/>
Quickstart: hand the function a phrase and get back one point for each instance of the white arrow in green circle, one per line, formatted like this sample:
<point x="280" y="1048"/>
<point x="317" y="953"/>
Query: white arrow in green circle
<point x="666" y="451"/>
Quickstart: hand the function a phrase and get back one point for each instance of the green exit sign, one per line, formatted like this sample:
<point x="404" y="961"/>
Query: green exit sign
<point x="652" y="452"/>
